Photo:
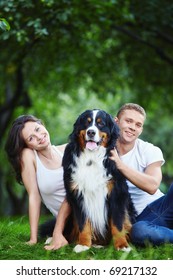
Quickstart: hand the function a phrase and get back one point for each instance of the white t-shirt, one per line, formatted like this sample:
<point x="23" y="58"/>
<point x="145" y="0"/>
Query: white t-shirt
<point x="51" y="185"/>
<point x="139" y="158"/>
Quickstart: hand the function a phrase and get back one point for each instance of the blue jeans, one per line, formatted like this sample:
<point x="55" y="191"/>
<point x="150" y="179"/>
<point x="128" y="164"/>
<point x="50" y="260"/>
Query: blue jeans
<point x="155" y="223"/>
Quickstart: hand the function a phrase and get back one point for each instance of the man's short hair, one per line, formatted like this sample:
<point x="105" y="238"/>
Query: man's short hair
<point x="131" y="106"/>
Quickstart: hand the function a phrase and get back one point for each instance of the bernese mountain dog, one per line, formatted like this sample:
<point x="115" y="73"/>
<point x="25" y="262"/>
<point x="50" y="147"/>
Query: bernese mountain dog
<point x="96" y="190"/>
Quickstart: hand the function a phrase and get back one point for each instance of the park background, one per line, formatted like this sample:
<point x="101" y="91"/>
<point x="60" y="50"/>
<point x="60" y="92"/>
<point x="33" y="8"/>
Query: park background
<point x="58" y="58"/>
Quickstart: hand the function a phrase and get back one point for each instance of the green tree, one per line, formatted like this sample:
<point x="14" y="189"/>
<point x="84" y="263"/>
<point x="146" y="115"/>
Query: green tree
<point x="60" y="55"/>
<point x="102" y="44"/>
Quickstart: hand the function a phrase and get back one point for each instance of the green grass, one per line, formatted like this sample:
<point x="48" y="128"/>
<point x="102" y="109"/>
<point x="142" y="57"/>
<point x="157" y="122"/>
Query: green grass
<point x="14" y="232"/>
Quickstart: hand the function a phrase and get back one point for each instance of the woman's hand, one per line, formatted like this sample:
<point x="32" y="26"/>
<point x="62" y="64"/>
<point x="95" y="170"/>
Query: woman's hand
<point x="31" y="242"/>
<point x="57" y="242"/>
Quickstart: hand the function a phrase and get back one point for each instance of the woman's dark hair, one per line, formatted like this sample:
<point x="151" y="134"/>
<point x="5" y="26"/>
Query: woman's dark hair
<point x="15" y="143"/>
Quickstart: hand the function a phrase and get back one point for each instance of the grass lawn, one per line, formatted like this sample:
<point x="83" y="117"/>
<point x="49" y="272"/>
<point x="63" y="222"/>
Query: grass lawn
<point x="14" y="232"/>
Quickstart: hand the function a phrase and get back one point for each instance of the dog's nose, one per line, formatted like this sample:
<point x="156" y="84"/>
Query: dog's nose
<point x="91" y="133"/>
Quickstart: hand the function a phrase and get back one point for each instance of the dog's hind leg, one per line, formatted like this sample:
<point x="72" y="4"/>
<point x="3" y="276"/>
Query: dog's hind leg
<point x="119" y="238"/>
<point x="84" y="238"/>
<point x="127" y="227"/>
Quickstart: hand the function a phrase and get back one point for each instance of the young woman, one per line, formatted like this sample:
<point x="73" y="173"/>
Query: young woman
<point x="37" y="165"/>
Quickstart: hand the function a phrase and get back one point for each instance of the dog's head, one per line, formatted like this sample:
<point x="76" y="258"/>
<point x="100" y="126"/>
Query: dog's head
<point x="95" y="128"/>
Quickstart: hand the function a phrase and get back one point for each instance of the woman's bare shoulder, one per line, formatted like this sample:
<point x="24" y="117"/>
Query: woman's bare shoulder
<point x="28" y="158"/>
<point x="27" y="153"/>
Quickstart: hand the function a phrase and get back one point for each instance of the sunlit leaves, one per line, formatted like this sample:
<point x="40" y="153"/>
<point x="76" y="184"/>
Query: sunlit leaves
<point x="4" y="25"/>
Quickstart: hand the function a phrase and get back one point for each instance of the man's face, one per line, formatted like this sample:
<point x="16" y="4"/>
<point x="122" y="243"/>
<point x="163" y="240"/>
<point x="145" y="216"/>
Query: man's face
<point x="130" y="123"/>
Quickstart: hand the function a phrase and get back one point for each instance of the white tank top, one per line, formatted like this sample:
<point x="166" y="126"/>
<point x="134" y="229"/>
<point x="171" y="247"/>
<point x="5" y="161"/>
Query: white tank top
<point x="51" y="185"/>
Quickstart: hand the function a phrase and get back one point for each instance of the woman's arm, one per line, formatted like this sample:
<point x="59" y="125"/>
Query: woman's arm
<point x="58" y="239"/>
<point x="30" y="183"/>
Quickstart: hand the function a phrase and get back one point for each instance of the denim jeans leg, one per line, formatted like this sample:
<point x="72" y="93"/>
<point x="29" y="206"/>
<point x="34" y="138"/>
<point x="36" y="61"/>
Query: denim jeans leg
<point x="155" y="223"/>
<point x="144" y="232"/>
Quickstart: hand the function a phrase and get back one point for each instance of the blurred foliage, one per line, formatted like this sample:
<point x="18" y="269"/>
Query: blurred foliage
<point x="58" y="58"/>
<point x="4" y="25"/>
<point x="100" y="44"/>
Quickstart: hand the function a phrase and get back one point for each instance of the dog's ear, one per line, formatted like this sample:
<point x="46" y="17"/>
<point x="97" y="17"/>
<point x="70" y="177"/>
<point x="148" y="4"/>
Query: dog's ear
<point x="77" y="126"/>
<point x="74" y="137"/>
<point x="74" y="133"/>
<point x="114" y="130"/>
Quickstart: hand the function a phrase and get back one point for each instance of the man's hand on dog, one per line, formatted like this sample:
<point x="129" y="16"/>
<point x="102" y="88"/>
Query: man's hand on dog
<point x="115" y="157"/>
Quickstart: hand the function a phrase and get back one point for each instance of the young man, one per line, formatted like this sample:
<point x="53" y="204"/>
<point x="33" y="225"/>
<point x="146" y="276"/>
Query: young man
<point x="141" y="162"/>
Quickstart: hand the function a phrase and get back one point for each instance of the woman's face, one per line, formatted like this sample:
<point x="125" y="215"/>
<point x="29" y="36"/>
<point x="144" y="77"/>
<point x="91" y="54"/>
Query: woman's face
<point x="35" y="135"/>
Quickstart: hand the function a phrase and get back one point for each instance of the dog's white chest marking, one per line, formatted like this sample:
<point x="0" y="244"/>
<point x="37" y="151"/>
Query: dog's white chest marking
<point x="91" y="180"/>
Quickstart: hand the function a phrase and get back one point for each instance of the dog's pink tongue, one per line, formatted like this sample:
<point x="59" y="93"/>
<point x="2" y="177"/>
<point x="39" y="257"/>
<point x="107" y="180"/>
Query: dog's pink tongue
<point x="91" y="145"/>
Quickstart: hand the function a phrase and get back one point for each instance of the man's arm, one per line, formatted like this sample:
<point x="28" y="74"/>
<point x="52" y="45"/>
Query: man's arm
<point x="149" y="181"/>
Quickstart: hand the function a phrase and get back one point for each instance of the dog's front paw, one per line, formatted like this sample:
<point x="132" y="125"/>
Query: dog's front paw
<point x="80" y="248"/>
<point x="125" y="249"/>
<point x="48" y="241"/>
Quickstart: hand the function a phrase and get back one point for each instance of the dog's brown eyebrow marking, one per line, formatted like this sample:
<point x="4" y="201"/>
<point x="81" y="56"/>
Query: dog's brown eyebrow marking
<point x="99" y="120"/>
<point x="89" y="163"/>
<point x="89" y="119"/>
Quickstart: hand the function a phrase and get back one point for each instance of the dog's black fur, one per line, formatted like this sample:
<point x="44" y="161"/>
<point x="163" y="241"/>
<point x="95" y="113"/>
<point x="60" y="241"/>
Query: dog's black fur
<point x="120" y="210"/>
